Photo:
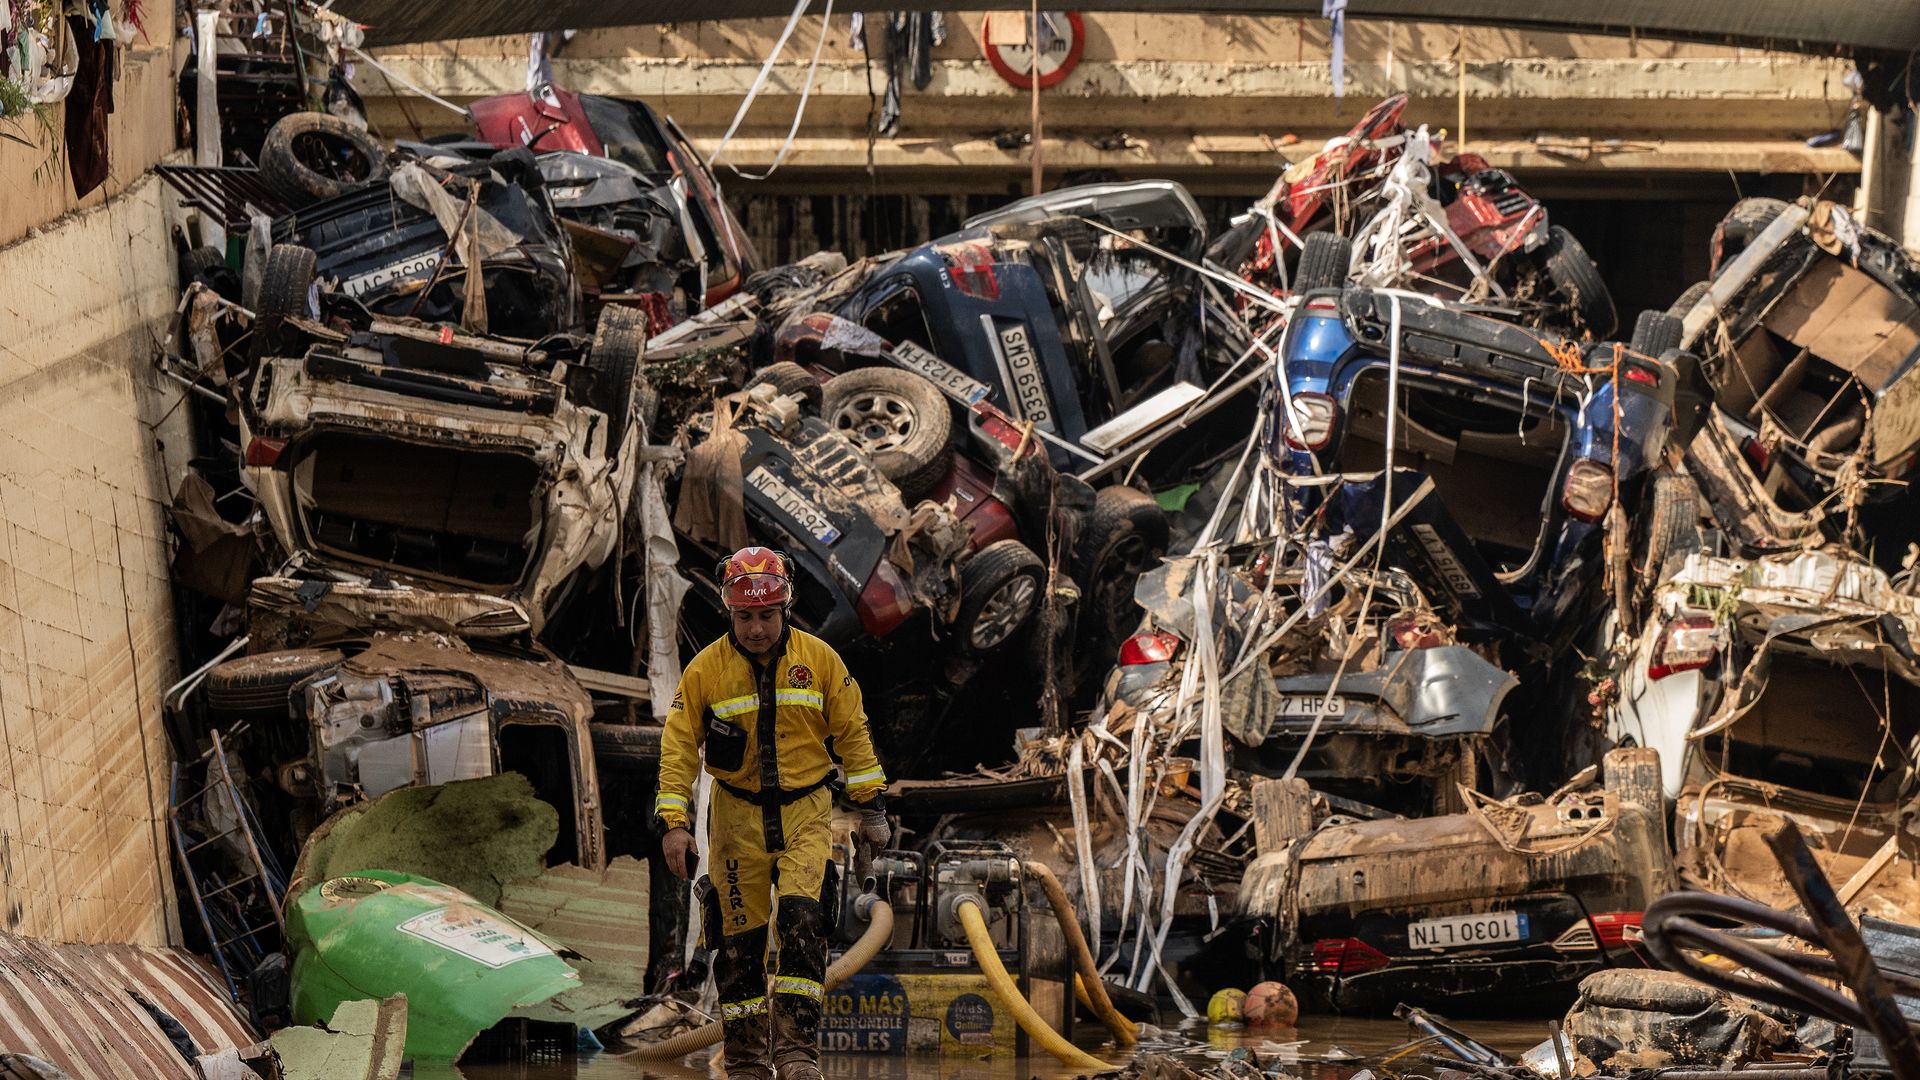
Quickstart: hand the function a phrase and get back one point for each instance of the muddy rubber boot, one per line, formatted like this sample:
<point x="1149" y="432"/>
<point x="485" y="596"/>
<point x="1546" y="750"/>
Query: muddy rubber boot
<point x="749" y="1047"/>
<point x="796" y="1037"/>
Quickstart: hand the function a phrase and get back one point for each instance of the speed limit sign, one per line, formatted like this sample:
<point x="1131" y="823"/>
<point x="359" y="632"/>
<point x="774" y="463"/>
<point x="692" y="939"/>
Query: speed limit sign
<point x="1005" y="35"/>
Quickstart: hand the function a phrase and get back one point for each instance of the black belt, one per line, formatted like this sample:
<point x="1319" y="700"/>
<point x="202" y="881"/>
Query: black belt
<point x="778" y="796"/>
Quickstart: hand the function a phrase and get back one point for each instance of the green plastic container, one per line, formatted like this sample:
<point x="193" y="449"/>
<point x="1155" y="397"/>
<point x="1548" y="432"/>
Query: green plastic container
<point x="463" y="966"/>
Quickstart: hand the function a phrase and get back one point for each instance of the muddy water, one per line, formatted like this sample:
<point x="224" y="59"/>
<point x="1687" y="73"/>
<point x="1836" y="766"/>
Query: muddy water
<point x="1319" y="1038"/>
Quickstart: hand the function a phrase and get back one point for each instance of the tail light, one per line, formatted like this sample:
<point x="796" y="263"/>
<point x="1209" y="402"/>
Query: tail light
<point x="1588" y="491"/>
<point x="885" y="603"/>
<point x="1322" y="306"/>
<point x="1686" y="644"/>
<point x="972" y="271"/>
<point x="1311" y="425"/>
<point x="1347" y="956"/>
<point x="1636" y="373"/>
<point x="1414" y="634"/>
<point x="1757" y="455"/>
<point x="1148" y="647"/>
<point x="1615" y="929"/>
<point x="264" y="453"/>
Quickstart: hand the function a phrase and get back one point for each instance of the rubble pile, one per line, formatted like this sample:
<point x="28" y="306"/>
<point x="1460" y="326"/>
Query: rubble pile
<point x="1254" y="582"/>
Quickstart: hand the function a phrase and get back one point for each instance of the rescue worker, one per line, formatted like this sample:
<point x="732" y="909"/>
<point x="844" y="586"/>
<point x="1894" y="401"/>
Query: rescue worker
<point x="770" y="707"/>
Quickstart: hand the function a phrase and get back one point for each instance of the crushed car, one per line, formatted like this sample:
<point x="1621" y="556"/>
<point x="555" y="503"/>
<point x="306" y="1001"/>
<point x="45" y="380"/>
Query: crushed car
<point x="383" y="448"/>
<point x="1459" y="228"/>
<point x="1371" y="697"/>
<point x="1510" y="902"/>
<point x="1811" y="325"/>
<point x="1783" y="687"/>
<point x="1533" y="443"/>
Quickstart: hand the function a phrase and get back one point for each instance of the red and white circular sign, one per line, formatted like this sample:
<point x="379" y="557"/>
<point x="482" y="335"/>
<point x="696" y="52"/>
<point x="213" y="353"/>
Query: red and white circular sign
<point x="1004" y="35"/>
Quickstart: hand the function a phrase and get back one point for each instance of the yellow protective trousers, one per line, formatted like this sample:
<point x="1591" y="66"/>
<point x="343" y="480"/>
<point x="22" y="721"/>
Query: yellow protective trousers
<point x="760" y="851"/>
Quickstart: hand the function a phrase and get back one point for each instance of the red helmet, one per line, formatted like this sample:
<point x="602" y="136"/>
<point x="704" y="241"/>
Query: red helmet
<point x="755" y="577"/>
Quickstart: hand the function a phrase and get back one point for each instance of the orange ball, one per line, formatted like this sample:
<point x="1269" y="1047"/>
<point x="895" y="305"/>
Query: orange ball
<point x="1271" y="1005"/>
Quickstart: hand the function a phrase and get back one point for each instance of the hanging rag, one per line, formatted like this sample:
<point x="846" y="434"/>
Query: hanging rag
<point x="89" y="104"/>
<point x="889" y="123"/>
<point x="857" y="31"/>
<point x="1335" y="12"/>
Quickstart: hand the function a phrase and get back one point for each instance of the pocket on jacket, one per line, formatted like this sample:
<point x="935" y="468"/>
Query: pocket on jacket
<point x="726" y="745"/>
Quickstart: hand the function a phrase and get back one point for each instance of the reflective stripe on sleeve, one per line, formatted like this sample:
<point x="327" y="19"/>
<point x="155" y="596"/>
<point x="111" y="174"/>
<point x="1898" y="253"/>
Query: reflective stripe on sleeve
<point x="669" y="802"/>
<point x="871" y="776"/>
<point x="736" y="706"/>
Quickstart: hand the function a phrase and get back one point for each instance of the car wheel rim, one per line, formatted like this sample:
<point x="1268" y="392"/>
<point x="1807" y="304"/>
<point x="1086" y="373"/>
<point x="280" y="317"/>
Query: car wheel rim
<point x="1004" y="612"/>
<point x="876" y="420"/>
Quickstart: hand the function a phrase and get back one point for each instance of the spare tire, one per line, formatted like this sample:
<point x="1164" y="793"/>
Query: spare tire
<point x="1324" y="262"/>
<point x="257" y="687"/>
<point x="897" y="418"/>
<point x="1577" y="281"/>
<point x="309" y="156"/>
<point x="1000" y="587"/>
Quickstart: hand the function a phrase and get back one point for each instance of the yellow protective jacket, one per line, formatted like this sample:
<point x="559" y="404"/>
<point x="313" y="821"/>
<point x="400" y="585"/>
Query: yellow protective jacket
<point x="735" y="710"/>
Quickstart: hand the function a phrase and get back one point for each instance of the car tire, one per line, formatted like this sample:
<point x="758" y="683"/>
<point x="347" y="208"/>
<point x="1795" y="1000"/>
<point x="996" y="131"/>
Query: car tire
<point x="1670" y="533"/>
<point x="1000" y="592"/>
<point x="1578" y="282"/>
<point x="309" y="156"/>
<point x="1654" y="333"/>
<point x="1123" y="537"/>
<point x="619" y="338"/>
<point x="1687" y="298"/>
<point x="898" y="419"/>
<point x="1324" y="262"/>
<point x="284" y="288"/>
<point x="1747" y="220"/>
<point x="788" y="377"/>
<point x="257" y="687"/>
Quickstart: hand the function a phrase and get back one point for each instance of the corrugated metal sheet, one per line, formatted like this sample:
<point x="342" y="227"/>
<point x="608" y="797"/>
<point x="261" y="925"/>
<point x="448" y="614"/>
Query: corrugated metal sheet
<point x="602" y="916"/>
<point x="70" y="1005"/>
<point x="1885" y="25"/>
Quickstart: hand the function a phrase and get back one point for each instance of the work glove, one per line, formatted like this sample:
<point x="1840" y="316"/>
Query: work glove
<point x="681" y="853"/>
<point x="874" y="830"/>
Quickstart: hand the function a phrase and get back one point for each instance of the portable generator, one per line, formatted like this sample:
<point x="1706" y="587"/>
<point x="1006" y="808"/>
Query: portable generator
<point x="927" y="993"/>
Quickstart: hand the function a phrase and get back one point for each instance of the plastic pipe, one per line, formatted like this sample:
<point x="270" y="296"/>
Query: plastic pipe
<point x="878" y="934"/>
<point x="1010" y="996"/>
<point x="1088" y="985"/>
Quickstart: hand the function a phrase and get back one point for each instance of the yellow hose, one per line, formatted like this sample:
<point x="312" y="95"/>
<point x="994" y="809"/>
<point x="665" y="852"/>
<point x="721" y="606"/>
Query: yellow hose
<point x="1127" y="1032"/>
<point x="1088" y="986"/>
<point x="1011" y="997"/>
<point x="878" y="934"/>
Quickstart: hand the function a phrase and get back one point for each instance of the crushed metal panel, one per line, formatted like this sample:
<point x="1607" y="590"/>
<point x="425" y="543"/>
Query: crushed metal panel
<point x="1849" y="320"/>
<point x="73" y="1006"/>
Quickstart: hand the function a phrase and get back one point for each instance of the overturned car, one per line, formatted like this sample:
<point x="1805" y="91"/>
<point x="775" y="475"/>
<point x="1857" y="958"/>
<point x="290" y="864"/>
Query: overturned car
<point x="383" y="448"/>
<point x="1785" y="687"/>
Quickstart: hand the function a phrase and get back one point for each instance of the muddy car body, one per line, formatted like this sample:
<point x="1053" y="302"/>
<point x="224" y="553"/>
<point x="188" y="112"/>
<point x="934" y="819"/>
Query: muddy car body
<point x="1527" y="454"/>
<point x="1508" y="903"/>
<point x="1814" y="346"/>
<point x="385" y="449"/>
<point x="1062" y="322"/>
<point x="387" y="246"/>
<point x="1782" y="687"/>
<point x="617" y="165"/>
<point x="1398" y="715"/>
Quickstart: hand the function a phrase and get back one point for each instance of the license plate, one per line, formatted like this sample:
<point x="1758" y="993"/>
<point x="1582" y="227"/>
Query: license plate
<point x="1454" y="931"/>
<point x="1308" y="706"/>
<point x="952" y="382"/>
<point x="415" y="266"/>
<point x="1028" y="386"/>
<point x="791" y="503"/>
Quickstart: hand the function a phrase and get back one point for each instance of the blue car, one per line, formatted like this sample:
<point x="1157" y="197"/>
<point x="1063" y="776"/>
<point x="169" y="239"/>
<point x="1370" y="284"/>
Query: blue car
<point x="1531" y="444"/>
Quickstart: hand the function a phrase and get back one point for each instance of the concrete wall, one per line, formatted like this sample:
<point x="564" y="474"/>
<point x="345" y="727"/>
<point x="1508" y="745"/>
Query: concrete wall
<point x="87" y="643"/>
<point x="140" y="132"/>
